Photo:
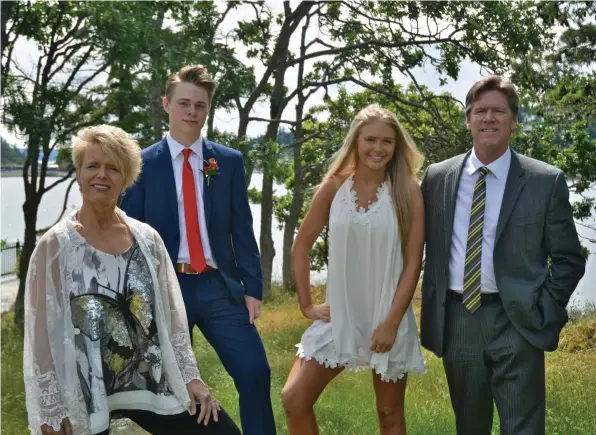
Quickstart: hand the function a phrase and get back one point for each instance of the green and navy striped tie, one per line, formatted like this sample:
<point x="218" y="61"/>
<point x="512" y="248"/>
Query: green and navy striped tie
<point x="472" y="269"/>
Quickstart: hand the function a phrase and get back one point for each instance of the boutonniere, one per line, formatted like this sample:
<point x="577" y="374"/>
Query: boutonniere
<point x="211" y="169"/>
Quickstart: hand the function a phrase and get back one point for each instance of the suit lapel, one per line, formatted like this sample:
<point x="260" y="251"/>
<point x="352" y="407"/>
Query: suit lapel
<point x="451" y="187"/>
<point x="513" y="187"/>
<point x="208" y="153"/>
<point x="166" y="173"/>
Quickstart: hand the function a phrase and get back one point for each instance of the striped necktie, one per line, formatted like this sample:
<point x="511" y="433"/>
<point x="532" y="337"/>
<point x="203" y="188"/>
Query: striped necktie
<point x="472" y="269"/>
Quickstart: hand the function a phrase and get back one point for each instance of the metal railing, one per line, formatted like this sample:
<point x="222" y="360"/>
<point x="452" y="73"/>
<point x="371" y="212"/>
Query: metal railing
<point x="9" y="254"/>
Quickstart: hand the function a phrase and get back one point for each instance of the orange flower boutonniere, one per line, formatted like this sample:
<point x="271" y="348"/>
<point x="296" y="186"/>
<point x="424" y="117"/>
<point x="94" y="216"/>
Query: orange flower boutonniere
<point x="211" y="169"/>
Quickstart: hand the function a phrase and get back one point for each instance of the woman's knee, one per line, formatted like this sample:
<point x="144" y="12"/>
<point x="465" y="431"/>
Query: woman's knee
<point x="294" y="399"/>
<point x="390" y="416"/>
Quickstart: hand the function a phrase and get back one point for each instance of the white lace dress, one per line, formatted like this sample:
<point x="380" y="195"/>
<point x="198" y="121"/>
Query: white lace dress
<point x="365" y="264"/>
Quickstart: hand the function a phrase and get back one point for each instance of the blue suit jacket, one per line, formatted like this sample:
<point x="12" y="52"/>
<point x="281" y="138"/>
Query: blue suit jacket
<point x="152" y="199"/>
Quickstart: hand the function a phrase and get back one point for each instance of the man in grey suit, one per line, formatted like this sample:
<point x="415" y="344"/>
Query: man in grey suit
<point x="502" y="259"/>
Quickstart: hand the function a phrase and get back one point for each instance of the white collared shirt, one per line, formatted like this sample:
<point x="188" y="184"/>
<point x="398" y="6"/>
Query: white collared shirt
<point x="196" y="160"/>
<point x="495" y="188"/>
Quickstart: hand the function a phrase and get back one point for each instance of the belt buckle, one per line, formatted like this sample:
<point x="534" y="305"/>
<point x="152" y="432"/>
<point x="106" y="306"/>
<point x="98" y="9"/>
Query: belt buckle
<point x="187" y="269"/>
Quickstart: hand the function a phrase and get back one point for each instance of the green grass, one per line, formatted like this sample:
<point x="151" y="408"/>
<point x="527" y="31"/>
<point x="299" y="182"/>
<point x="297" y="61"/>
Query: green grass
<point x="347" y="405"/>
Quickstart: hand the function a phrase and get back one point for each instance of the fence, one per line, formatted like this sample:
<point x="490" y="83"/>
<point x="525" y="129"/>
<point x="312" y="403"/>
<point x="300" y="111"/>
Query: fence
<point x="10" y="255"/>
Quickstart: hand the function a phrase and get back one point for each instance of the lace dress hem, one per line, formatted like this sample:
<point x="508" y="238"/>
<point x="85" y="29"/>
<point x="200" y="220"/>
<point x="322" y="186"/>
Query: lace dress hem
<point x="355" y="365"/>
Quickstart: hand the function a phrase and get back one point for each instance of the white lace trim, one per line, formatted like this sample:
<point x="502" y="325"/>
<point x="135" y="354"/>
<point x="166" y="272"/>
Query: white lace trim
<point x="360" y="214"/>
<point x="354" y="365"/>
<point x="185" y="357"/>
<point x="50" y="410"/>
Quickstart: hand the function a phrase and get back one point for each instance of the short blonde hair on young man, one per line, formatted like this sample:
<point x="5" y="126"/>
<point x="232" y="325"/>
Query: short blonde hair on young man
<point x="195" y="74"/>
<point x="116" y="143"/>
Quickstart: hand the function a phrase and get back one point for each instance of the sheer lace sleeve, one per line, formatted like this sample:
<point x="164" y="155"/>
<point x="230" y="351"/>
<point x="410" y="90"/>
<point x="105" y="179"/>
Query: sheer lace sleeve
<point x="43" y="313"/>
<point x="177" y="314"/>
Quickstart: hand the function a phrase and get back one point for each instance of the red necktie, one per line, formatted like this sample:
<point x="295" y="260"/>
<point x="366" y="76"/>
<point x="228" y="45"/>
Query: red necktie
<point x="191" y="216"/>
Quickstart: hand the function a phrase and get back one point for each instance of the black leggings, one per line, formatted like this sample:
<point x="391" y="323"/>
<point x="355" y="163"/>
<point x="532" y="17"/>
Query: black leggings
<point x="180" y="424"/>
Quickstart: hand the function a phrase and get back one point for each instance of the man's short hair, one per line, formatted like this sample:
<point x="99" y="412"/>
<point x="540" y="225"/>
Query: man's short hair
<point x="493" y="83"/>
<point x="195" y="74"/>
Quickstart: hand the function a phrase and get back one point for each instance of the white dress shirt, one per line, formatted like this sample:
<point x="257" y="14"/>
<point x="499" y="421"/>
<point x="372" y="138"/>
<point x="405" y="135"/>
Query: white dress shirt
<point x="196" y="162"/>
<point x="495" y="188"/>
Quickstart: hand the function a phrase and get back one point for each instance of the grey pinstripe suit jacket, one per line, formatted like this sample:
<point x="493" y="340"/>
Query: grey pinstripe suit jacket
<point x="535" y="224"/>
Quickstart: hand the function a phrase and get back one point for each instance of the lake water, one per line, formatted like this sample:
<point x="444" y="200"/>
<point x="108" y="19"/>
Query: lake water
<point x="13" y="226"/>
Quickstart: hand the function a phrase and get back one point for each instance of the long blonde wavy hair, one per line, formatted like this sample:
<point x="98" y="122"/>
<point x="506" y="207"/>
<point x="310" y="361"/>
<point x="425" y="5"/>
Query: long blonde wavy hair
<point x="401" y="169"/>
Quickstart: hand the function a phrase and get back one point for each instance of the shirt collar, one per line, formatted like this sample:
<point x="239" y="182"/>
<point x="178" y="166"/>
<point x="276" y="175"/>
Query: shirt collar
<point x="498" y="168"/>
<point x="176" y="147"/>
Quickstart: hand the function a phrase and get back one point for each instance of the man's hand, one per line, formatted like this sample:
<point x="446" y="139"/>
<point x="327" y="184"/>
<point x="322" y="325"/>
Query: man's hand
<point x="199" y="393"/>
<point x="254" y="308"/>
<point x="65" y="429"/>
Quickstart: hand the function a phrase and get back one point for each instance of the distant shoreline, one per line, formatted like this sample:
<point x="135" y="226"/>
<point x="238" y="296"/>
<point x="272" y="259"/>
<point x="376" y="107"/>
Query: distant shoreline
<point x="19" y="173"/>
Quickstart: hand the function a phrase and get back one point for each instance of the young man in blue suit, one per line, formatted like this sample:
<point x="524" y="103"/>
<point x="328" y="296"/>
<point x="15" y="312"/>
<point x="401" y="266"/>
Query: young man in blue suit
<point x="193" y="192"/>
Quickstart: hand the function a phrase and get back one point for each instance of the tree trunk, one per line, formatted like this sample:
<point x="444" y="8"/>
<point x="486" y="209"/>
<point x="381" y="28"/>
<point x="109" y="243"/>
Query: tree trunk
<point x="266" y="240"/>
<point x="30" y="208"/>
<point x="124" y="91"/>
<point x="297" y="199"/>
<point x="297" y="194"/>
<point x="279" y="57"/>
<point x="249" y="163"/>
<point x="210" y="121"/>
<point x="156" y="106"/>
<point x="292" y="222"/>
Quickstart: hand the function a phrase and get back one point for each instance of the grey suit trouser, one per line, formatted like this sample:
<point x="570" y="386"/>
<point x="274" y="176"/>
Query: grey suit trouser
<point x="486" y="359"/>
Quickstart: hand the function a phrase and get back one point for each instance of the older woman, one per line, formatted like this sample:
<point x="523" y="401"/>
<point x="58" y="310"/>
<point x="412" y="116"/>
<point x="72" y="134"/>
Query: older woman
<point x="106" y="333"/>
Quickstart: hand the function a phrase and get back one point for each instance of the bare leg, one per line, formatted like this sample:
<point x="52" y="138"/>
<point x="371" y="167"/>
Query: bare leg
<point x="305" y="383"/>
<point x="390" y="405"/>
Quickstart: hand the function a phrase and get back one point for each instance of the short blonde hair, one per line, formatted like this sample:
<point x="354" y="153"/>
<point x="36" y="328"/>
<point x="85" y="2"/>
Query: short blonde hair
<point x="195" y="74"/>
<point x="116" y="143"/>
<point x="401" y="170"/>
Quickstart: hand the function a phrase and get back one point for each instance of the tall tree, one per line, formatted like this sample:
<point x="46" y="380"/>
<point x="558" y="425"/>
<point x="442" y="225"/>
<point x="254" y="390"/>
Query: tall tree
<point x="50" y="103"/>
<point x="378" y="40"/>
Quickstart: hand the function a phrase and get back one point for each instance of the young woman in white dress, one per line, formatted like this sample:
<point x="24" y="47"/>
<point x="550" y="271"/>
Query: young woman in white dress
<point x="372" y="202"/>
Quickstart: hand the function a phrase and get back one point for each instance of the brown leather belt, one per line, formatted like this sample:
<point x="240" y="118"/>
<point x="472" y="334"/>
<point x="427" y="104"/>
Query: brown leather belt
<point x="189" y="270"/>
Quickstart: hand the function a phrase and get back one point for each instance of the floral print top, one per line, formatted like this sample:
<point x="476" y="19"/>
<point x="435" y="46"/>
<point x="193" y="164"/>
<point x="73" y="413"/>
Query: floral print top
<point x="119" y="360"/>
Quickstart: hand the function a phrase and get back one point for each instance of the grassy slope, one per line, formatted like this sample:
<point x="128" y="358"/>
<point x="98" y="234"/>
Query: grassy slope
<point x="347" y="406"/>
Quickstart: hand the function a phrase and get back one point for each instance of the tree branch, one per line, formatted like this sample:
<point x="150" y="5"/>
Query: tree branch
<point x="64" y="206"/>
<point x="283" y="121"/>
<point x="363" y="45"/>
<point x="55" y="183"/>
<point x="317" y="135"/>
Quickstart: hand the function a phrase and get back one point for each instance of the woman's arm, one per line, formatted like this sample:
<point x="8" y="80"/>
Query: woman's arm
<point x="412" y="259"/>
<point x="384" y="336"/>
<point x="180" y="335"/>
<point x="312" y="225"/>
<point x="44" y="327"/>
<point x="180" y="338"/>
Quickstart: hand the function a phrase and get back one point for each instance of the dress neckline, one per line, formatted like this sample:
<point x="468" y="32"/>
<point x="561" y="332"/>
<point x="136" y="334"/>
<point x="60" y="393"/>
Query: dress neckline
<point x="354" y="197"/>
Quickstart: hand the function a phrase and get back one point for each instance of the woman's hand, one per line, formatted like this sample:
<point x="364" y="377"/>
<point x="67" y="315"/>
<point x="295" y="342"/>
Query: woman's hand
<point x="65" y="429"/>
<point x="319" y="312"/>
<point x="384" y="337"/>
<point x="199" y="393"/>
